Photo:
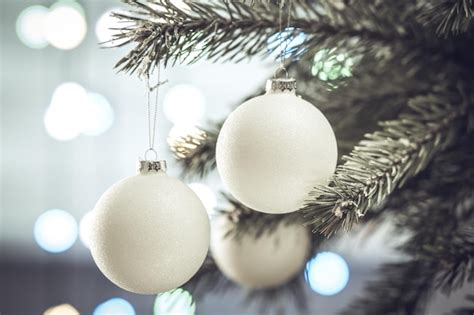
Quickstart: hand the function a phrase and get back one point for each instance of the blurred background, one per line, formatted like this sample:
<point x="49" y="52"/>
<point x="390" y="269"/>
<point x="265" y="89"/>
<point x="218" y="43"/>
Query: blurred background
<point x="71" y="126"/>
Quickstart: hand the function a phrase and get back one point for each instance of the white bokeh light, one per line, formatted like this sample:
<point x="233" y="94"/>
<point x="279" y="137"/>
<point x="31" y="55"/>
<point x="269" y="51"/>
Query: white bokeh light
<point x="184" y="104"/>
<point x="98" y="115"/>
<point x="327" y="273"/>
<point x="85" y="228"/>
<point x="63" y="309"/>
<point x="65" y="26"/>
<point x="107" y="26"/>
<point x="65" y="116"/>
<point x="73" y="111"/>
<point x="175" y="302"/>
<point x="55" y="230"/>
<point x="30" y="26"/>
<point x="114" y="306"/>
<point x="207" y="196"/>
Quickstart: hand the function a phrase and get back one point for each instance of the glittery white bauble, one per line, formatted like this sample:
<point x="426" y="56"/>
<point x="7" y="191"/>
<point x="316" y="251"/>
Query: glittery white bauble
<point x="270" y="260"/>
<point x="150" y="233"/>
<point x="273" y="149"/>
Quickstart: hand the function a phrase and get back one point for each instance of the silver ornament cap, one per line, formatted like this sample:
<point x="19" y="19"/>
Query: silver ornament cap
<point x="149" y="167"/>
<point x="281" y="85"/>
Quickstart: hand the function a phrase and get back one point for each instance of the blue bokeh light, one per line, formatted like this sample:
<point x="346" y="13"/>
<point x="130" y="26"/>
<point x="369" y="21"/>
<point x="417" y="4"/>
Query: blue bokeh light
<point x="55" y="230"/>
<point x="327" y="273"/>
<point x="114" y="306"/>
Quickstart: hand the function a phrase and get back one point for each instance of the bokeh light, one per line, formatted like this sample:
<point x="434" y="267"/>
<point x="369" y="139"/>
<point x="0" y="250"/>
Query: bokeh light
<point x="85" y="228"/>
<point x="290" y="39"/>
<point x="63" y="309"/>
<point x="73" y="111"/>
<point x="175" y="302"/>
<point x="65" y="26"/>
<point x="107" y="26"/>
<point x="207" y="196"/>
<point x="64" y="117"/>
<point x="330" y="65"/>
<point x="184" y="104"/>
<point x="114" y="306"/>
<point x="55" y="230"/>
<point x="98" y="115"/>
<point x="327" y="273"/>
<point x="30" y="26"/>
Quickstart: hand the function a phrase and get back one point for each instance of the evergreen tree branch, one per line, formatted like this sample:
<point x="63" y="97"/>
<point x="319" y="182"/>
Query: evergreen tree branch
<point x="385" y="160"/>
<point x="196" y="151"/>
<point x="448" y="16"/>
<point x="467" y="310"/>
<point x="221" y="30"/>
<point x="441" y="199"/>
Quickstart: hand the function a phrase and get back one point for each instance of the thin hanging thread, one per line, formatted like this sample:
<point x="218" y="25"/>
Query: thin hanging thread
<point x="283" y="42"/>
<point x="152" y="114"/>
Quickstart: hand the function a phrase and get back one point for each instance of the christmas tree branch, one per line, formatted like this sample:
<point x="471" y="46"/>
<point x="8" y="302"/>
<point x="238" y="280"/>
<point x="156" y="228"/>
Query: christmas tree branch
<point x="467" y="310"/>
<point x="448" y="16"/>
<point x="385" y="160"/>
<point x="222" y="30"/>
<point x="195" y="151"/>
<point x="440" y="199"/>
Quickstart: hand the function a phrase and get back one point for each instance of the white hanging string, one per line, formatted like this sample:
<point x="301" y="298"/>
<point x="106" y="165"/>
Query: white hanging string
<point x="152" y="113"/>
<point x="283" y="41"/>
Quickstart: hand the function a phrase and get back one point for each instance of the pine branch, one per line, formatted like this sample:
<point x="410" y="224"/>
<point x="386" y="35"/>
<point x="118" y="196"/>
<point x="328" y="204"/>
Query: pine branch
<point x="467" y="310"/>
<point x="441" y="199"/>
<point x="221" y="30"/>
<point x="385" y="160"/>
<point x="404" y="289"/>
<point x="195" y="152"/>
<point x="448" y="16"/>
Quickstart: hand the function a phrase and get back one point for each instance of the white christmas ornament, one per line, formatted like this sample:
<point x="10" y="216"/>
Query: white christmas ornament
<point x="274" y="148"/>
<point x="150" y="232"/>
<point x="268" y="261"/>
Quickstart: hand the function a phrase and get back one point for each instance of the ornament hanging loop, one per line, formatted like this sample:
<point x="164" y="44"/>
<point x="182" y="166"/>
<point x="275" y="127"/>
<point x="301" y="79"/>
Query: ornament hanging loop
<point x="280" y="70"/>
<point x="153" y="151"/>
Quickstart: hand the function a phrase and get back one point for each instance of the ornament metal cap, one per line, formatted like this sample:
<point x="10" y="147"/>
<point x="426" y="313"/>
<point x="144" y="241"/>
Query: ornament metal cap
<point x="146" y="167"/>
<point x="281" y="85"/>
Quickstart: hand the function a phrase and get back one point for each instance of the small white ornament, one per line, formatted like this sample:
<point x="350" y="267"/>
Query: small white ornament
<point x="274" y="148"/>
<point x="150" y="232"/>
<point x="268" y="261"/>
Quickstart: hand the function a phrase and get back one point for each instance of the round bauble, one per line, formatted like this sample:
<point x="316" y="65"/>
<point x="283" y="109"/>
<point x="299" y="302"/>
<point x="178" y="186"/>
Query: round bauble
<point x="150" y="232"/>
<point x="270" y="260"/>
<point x="274" y="148"/>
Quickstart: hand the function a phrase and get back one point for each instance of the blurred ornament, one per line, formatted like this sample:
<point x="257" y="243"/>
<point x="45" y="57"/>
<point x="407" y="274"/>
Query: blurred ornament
<point x="63" y="309"/>
<point x="270" y="260"/>
<point x="274" y="148"/>
<point x="151" y="231"/>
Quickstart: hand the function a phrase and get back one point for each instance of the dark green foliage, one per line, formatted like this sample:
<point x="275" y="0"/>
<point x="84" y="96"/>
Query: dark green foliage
<point x="403" y="117"/>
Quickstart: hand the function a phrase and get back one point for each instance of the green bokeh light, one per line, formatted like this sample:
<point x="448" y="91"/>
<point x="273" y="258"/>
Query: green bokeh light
<point x="174" y="302"/>
<point x="330" y="65"/>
